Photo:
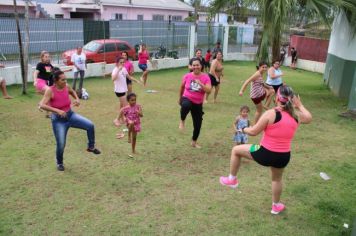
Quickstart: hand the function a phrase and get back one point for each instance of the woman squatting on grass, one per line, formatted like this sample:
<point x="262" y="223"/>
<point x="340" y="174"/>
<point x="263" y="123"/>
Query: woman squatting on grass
<point x="279" y="126"/>
<point x="56" y="100"/>
<point x="259" y="90"/>
<point x="191" y="96"/>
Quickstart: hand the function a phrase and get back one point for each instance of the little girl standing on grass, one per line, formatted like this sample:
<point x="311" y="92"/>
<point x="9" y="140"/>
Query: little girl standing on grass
<point x="131" y="115"/>
<point x="241" y="122"/>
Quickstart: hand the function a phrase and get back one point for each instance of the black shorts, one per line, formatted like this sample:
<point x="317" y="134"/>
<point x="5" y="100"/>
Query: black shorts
<point x="120" y="94"/>
<point x="128" y="81"/>
<point x="213" y="80"/>
<point x="207" y="64"/>
<point x="275" y="87"/>
<point x="268" y="158"/>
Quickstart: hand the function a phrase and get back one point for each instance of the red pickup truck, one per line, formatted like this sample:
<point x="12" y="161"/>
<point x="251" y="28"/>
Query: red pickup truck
<point x="102" y="50"/>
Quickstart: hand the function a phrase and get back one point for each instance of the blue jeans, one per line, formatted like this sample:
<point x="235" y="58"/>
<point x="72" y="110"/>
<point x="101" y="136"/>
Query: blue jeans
<point x="61" y="125"/>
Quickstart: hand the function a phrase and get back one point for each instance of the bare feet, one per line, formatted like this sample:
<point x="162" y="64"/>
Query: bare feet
<point x="133" y="154"/>
<point x="214" y="101"/>
<point x="8" y="97"/>
<point x="181" y="125"/>
<point x="265" y="107"/>
<point x="116" y="122"/>
<point x="205" y="101"/>
<point x="120" y="135"/>
<point x="195" y="145"/>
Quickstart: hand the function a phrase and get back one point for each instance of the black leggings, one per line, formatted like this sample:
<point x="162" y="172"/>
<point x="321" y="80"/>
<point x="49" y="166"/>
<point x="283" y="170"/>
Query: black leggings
<point x="196" y="111"/>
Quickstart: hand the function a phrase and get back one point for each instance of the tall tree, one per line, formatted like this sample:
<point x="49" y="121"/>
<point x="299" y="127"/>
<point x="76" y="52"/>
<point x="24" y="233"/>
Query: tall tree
<point x="275" y="15"/>
<point x="19" y="38"/>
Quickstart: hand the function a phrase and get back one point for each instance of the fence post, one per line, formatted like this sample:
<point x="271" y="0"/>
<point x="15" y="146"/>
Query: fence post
<point x="56" y="30"/>
<point x="226" y="40"/>
<point x="191" y="41"/>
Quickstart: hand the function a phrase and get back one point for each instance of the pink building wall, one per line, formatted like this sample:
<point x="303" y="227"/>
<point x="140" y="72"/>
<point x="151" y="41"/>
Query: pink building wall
<point x="20" y="10"/>
<point x="132" y="12"/>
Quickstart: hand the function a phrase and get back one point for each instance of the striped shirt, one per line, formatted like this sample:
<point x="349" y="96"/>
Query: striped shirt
<point x="257" y="89"/>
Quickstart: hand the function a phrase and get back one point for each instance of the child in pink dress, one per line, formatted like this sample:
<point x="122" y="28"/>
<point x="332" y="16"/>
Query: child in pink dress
<point x="131" y="115"/>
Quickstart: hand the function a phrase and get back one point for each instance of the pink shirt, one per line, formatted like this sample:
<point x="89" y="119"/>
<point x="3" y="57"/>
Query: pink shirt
<point x="192" y="90"/>
<point x="143" y="57"/>
<point x="129" y="67"/>
<point x="277" y="137"/>
<point x="60" y="99"/>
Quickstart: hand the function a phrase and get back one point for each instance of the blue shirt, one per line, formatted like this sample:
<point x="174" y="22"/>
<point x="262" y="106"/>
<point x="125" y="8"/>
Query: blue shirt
<point x="275" y="81"/>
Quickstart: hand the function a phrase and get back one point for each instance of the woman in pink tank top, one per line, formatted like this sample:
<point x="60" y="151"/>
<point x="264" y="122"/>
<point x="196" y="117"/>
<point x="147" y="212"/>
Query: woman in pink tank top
<point x="56" y="100"/>
<point x="278" y="126"/>
<point x="143" y="57"/>
<point x="259" y="90"/>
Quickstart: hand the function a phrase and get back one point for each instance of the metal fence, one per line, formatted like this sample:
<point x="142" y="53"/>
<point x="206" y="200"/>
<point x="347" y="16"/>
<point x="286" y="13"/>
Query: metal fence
<point x="44" y="34"/>
<point x="171" y="35"/>
<point x="59" y="35"/>
<point x="208" y="35"/>
<point x="243" y="38"/>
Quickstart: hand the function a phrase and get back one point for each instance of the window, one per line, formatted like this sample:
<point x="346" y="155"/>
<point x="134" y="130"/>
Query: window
<point x="109" y="47"/>
<point x="118" y="16"/>
<point x="122" y="47"/>
<point x="59" y="16"/>
<point x="176" y="18"/>
<point x="92" y="46"/>
<point x="139" y="17"/>
<point x="158" y="17"/>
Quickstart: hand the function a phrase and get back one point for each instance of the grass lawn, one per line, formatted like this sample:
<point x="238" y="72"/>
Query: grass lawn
<point x="171" y="188"/>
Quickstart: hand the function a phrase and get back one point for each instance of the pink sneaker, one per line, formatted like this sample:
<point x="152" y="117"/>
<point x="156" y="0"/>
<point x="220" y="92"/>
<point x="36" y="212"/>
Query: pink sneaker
<point x="277" y="208"/>
<point x="224" y="180"/>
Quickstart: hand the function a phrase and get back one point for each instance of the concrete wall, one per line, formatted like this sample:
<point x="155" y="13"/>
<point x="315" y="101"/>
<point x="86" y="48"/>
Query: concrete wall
<point x="341" y="61"/>
<point x="313" y="66"/>
<point x="12" y="75"/>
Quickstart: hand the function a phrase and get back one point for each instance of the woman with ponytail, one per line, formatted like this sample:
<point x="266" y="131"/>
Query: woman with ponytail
<point x="279" y="126"/>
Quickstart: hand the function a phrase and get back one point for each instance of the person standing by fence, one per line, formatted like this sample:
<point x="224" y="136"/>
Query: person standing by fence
<point x="198" y="55"/>
<point x="294" y="55"/>
<point x="42" y="77"/>
<point x="79" y="61"/>
<point x="143" y="57"/>
<point x="215" y="74"/>
<point x="5" y="95"/>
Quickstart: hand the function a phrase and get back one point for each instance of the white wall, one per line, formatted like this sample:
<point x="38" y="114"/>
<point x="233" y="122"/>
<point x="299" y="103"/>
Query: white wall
<point x="313" y="66"/>
<point x="12" y="75"/>
<point x="341" y="33"/>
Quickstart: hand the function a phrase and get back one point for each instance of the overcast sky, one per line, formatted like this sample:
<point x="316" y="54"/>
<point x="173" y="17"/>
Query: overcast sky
<point x="205" y="2"/>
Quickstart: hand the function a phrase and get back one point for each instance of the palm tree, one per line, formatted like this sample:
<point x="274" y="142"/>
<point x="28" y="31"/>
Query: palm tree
<point x="275" y="15"/>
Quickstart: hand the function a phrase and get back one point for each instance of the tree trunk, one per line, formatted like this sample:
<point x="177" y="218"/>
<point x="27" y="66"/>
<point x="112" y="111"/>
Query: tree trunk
<point x="26" y="48"/>
<point x="19" y="38"/>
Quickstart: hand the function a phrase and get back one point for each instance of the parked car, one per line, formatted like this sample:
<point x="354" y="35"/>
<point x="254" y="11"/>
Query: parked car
<point x="102" y="50"/>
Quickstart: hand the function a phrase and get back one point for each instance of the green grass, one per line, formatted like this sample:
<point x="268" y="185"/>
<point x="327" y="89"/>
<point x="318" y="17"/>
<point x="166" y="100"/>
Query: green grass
<point x="170" y="188"/>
